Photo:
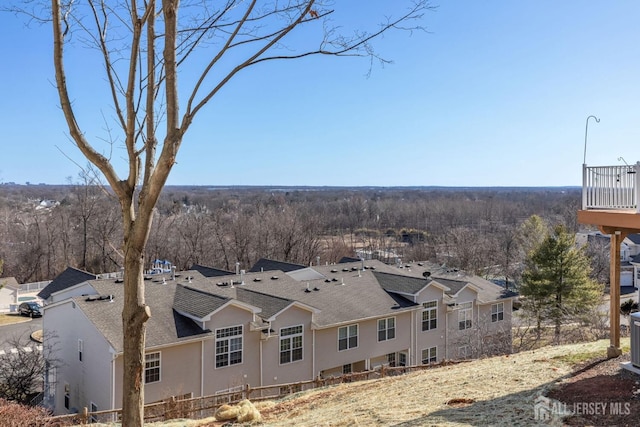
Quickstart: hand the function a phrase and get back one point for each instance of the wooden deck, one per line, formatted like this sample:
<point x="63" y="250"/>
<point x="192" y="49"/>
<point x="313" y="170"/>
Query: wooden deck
<point x="611" y="220"/>
<point x="610" y="201"/>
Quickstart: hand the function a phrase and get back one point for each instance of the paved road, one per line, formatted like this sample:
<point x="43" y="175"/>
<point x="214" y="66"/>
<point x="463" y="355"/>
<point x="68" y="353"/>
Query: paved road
<point x="10" y="334"/>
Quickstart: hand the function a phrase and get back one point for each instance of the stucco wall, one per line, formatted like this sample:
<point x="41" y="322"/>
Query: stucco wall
<point x="329" y="357"/>
<point x="272" y="371"/>
<point x="247" y="372"/>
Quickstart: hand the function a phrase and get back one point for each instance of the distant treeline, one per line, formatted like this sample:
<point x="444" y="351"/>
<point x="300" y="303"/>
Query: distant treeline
<point x="475" y="229"/>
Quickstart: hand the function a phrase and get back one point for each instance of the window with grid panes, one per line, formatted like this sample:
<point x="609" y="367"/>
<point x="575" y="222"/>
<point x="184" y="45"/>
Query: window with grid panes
<point x="290" y="344"/>
<point x="228" y="346"/>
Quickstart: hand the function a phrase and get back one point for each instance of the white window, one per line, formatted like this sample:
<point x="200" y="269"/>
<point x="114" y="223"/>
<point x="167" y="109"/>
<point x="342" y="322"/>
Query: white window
<point x="290" y="344"/>
<point x="94" y="418"/>
<point x="402" y="359"/>
<point x="430" y="315"/>
<point x="152" y="367"/>
<point x="347" y="337"/>
<point x="464" y="352"/>
<point x="465" y="311"/>
<point x="80" y="349"/>
<point x="497" y="312"/>
<point x="67" y="396"/>
<point x="386" y="329"/>
<point x="228" y="346"/>
<point x="429" y="355"/>
<point x="346" y="369"/>
<point x="391" y="359"/>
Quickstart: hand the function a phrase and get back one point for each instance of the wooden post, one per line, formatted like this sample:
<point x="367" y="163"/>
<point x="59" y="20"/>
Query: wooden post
<point x="614" y="295"/>
<point x="84" y="418"/>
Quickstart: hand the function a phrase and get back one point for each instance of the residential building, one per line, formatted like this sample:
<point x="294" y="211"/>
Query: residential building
<point x="208" y="335"/>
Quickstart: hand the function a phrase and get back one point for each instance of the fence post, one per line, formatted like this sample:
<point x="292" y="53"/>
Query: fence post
<point x="247" y="391"/>
<point x="85" y="415"/>
<point x="382" y="371"/>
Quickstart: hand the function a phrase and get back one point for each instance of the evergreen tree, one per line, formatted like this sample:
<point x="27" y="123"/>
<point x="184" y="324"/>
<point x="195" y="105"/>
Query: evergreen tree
<point x="556" y="284"/>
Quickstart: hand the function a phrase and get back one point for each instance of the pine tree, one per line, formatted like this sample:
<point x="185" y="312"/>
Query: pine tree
<point x="556" y="283"/>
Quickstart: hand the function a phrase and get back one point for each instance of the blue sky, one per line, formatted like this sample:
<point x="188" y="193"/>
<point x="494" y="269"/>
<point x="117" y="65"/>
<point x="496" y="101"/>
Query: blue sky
<point x="496" y="94"/>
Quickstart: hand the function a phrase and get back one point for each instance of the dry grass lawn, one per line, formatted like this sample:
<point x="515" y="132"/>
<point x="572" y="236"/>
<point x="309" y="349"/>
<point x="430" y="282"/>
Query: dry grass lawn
<point x="10" y="318"/>
<point x="493" y="391"/>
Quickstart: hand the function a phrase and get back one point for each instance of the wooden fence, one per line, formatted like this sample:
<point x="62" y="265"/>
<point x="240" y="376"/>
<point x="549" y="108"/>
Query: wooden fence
<point x="185" y="406"/>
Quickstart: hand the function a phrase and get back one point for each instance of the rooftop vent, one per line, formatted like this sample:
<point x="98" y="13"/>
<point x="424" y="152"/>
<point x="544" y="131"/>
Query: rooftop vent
<point x="315" y="288"/>
<point x="333" y="270"/>
<point x="99" y="298"/>
<point x="327" y="280"/>
<point x="307" y="290"/>
<point x="257" y="279"/>
<point x="274" y="277"/>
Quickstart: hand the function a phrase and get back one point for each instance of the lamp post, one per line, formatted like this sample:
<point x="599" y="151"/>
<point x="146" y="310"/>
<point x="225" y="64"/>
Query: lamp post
<point x="586" y="129"/>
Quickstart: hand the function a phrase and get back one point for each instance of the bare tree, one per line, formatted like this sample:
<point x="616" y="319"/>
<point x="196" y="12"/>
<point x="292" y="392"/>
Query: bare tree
<point x="22" y="370"/>
<point x="143" y="46"/>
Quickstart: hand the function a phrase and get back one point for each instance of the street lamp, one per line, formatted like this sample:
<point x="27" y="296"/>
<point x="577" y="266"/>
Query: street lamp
<point x="586" y="129"/>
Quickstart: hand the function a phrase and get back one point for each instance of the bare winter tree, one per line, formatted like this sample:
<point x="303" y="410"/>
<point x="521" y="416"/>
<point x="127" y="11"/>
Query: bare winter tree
<point x="143" y="46"/>
<point x="22" y="371"/>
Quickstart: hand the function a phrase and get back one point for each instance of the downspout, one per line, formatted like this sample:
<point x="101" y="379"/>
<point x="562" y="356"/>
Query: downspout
<point x="478" y="339"/>
<point x="113" y="381"/>
<point x="446" y="333"/>
<point x="412" y="341"/>
<point x="313" y="353"/>
<point x="260" y="367"/>
<point x="202" y="368"/>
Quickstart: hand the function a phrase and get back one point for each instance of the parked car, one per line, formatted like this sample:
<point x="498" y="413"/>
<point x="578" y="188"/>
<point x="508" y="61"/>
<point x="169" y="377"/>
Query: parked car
<point x="31" y="309"/>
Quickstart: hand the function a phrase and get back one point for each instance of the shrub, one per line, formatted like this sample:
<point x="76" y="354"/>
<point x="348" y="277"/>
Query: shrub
<point x="17" y="415"/>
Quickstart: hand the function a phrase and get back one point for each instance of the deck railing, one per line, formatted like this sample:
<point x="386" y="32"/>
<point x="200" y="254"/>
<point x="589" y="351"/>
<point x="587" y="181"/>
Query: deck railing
<point x="611" y="187"/>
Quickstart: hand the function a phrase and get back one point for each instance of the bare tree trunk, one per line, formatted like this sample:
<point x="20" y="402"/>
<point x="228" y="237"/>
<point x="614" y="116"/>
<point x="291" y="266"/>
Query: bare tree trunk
<point x="134" y="317"/>
<point x="135" y="313"/>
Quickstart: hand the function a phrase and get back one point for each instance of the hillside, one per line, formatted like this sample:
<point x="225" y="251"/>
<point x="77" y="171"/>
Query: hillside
<point x="493" y="391"/>
<point x="498" y="391"/>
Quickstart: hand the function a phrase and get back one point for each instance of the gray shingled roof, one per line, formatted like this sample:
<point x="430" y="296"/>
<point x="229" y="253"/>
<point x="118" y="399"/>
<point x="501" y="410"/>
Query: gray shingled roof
<point x="453" y="279"/>
<point x="264" y="264"/>
<point x="164" y="327"/>
<point x="210" y="271"/>
<point x="346" y="259"/>
<point x="68" y="278"/>
<point x="195" y="302"/>
<point x="269" y="304"/>
<point x="634" y="237"/>
<point x="345" y="295"/>
<point x="401" y="284"/>
<point x="454" y="285"/>
<point x="360" y="297"/>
